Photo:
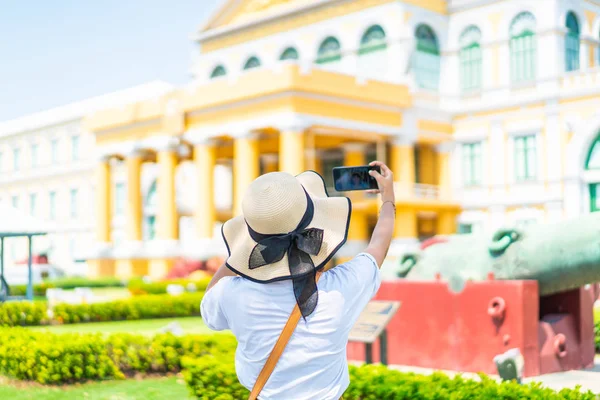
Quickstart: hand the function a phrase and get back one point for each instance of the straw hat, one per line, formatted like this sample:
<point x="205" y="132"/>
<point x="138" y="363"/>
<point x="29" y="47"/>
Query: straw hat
<point x="274" y="206"/>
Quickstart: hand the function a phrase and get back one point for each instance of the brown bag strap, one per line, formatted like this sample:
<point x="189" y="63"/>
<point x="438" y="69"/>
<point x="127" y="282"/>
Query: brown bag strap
<point x="277" y="351"/>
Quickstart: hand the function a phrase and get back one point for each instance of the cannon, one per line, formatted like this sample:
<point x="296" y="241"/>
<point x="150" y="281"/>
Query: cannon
<point x="468" y="298"/>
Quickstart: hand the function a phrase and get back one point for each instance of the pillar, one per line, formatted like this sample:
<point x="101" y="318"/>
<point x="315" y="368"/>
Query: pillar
<point x="310" y="153"/>
<point x="358" y="231"/>
<point x="103" y="201"/>
<point x="403" y="166"/>
<point x="270" y="163"/>
<point x="132" y="266"/>
<point x="134" y="197"/>
<point x="205" y="212"/>
<point x="168" y="224"/>
<point x="167" y="230"/>
<point x="99" y="267"/>
<point x="446" y="223"/>
<point x="245" y="167"/>
<point x="443" y="169"/>
<point x="291" y="150"/>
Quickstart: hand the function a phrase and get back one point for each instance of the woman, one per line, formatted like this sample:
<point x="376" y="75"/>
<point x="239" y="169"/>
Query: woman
<point x="289" y="230"/>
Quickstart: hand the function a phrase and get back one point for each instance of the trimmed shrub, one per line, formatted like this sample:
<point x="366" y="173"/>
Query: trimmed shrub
<point x="67" y="358"/>
<point x="211" y="378"/>
<point x="66" y="283"/>
<point x="25" y="313"/>
<point x="138" y="287"/>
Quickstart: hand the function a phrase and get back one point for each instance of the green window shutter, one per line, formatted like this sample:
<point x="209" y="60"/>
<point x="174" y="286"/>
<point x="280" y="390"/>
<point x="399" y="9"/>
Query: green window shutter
<point x="472" y="164"/>
<point x="525" y="158"/>
<point x="572" y="43"/>
<point x="522" y="48"/>
<point x="470" y="59"/>
<point x="289" y="54"/>
<point x="218" y="71"/>
<point x="373" y="40"/>
<point x="594" y="197"/>
<point x="252" y="62"/>
<point x="330" y="51"/>
<point x="426" y="61"/>
<point x="593" y="157"/>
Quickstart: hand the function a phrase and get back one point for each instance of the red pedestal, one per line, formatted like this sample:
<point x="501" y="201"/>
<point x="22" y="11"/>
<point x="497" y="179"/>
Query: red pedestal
<point x="435" y="328"/>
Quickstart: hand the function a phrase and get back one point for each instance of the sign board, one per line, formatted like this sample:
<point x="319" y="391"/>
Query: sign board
<point x="373" y="320"/>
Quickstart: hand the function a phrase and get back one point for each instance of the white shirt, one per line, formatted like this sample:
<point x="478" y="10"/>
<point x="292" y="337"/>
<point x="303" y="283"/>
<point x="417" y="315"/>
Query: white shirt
<point x="313" y="365"/>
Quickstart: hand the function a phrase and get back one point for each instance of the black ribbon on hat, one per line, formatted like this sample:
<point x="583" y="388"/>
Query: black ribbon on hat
<point x="299" y="245"/>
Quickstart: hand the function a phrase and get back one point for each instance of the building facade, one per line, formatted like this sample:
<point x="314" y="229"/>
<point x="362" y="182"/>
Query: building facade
<point x="47" y="165"/>
<point x="486" y="110"/>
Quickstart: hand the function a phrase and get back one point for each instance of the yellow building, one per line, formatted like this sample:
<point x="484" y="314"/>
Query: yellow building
<point x="274" y="90"/>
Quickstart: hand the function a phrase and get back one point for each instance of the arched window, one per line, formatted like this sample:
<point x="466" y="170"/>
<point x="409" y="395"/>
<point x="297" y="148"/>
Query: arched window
<point x="329" y="51"/>
<point x="522" y="48"/>
<point x="470" y="59"/>
<point x="252" y="62"/>
<point x="572" y="43"/>
<point x="372" y="53"/>
<point x="427" y="58"/>
<point x="289" y="54"/>
<point x="218" y="71"/>
<point x="593" y="162"/>
<point x="372" y="40"/>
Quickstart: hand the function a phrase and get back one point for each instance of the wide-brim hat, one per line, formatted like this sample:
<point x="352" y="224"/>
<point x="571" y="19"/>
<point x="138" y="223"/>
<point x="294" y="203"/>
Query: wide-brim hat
<point x="273" y="207"/>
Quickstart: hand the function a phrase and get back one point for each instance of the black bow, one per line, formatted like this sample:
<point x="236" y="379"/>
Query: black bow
<point x="299" y="245"/>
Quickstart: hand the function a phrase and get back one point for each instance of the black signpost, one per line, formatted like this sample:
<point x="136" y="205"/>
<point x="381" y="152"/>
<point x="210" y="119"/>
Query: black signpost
<point x="371" y="325"/>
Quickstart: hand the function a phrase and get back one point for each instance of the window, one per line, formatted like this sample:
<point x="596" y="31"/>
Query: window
<point x="15" y="201"/>
<point x="465" y="228"/>
<point x="472" y="164"/>
<point x="522" y="48"/>
<point x="470" y="59"/>
<point x="16" y="158"/>
<point x="120" y="199"/>
<point x="372" y="53"/>
<point x="75" y="148"/>
<point x="218" y="71"/>
<point x="74" y="204"/>
<point x="32" y="203"/>
<point x="34" y="155"/>
<point x="52" y="205"/>
<point x="525" y="158"/>
<point x="252" y="62"/>
<point x="372" y="40"/>
<point x="572" y="43"/>
<point x="595" y="197"/>
<point x="593" y="158"/>
<point x="150" y="227"/>
<point x="426" y="61"/>
<point x="54" y="151"/>
<point x="289" y="54"/>
<point x="329" y="51"/>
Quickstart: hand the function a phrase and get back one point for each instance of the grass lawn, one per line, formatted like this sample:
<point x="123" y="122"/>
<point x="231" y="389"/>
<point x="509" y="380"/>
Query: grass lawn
<point x="147" y="389"/>
<point x="145" y="327"/>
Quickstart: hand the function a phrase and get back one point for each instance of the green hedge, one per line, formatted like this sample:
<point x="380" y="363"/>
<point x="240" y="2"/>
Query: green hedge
<point x="49" y="358"/>
<point x="66" y="283"/>
<point x="24" y="313"/>
<point x="138" y="287"/>
<point x="209" y="378"/>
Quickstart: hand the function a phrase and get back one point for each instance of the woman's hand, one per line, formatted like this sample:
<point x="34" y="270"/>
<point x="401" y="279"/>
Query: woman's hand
<point x="385" y="181"/>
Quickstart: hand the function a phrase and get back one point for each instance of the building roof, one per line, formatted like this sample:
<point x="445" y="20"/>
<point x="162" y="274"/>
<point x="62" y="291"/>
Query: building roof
<point x="14" y="222"/>
<point x="77" y="110"/>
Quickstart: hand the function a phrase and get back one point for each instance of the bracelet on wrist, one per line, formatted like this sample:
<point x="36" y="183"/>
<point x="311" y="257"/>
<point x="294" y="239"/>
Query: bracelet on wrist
<point x="388" y="201"/>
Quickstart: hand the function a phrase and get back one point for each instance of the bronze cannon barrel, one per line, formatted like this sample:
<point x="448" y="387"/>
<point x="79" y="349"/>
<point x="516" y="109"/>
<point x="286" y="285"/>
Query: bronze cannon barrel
<point x="560" y="256"/>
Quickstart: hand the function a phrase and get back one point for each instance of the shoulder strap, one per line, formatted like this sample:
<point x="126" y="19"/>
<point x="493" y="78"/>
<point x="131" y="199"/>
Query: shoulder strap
<point x="277" y="351"/>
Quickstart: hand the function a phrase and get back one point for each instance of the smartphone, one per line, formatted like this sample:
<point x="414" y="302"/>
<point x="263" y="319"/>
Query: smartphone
<point x="354" y="178"/>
